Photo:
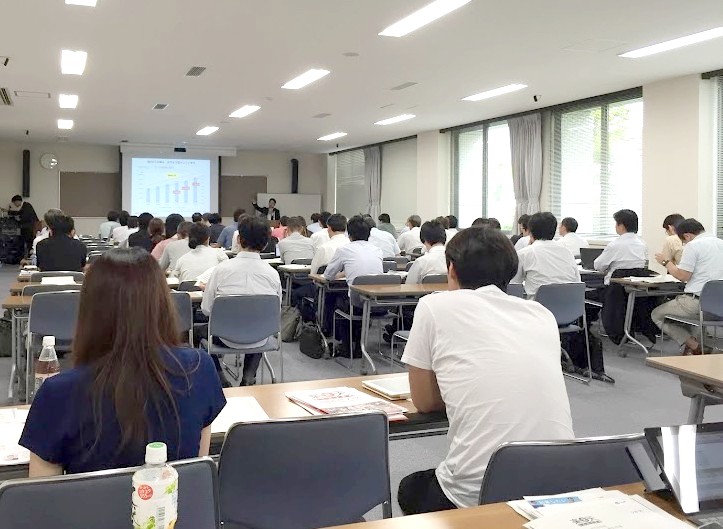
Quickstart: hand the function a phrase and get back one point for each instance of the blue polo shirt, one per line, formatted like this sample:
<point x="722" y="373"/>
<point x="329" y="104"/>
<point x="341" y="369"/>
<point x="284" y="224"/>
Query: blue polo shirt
<point x="225" y="240"/>
<point x="61" y="429"/>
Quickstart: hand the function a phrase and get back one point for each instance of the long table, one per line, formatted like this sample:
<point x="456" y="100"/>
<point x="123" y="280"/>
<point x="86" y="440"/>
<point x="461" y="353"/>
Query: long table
<point x="701" y="380"/>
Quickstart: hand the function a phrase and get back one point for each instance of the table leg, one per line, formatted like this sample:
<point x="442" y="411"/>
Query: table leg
<point x="629" y="312"/>
<point x="321" y="298"/>
<point x="366" y="317"/>
<point x="697" y="409"/>
<point x="287" y="298"/>
<point x="13" y="353"/>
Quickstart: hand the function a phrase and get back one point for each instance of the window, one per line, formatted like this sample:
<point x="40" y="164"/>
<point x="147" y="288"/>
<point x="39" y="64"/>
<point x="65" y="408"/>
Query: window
<point x="483" y="175"/>
<point x="597" y="162"/>
<point x="352" y="195"/>
<point x="719" y="143"/>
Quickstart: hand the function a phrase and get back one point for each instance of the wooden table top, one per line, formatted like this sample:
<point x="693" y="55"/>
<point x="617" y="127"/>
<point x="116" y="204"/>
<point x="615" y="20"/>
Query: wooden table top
<point x="707" y="369"/>
<point x="668" y="285"/>
<point x="493" y="516"/>
<point x="399" y="290"/>
<point x="17" y="302"/>
<point x="17" y="287"/>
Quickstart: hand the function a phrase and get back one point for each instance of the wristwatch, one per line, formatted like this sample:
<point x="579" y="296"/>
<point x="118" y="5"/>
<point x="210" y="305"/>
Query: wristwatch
<point x="665" y="262"/>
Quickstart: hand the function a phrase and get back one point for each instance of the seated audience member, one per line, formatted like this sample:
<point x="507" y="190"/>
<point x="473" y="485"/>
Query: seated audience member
<point x="315" y="224"/>
<point x="524" y="238"/>
<point x="453" y="225"/>
<point x="702" y="261"/>
<point x="225" y="240"/>
<point x="244" y="275"/>
<point x="60" y="251"/>
<point x="85" y="418"/>
<point x="107" y="227"/>
<point x="434" y="237"/>
<point x="156" y="231"/>
<point x="672" y="247"/>
<point x="336" y="232"/>
<point x="120" y="232"/>
<point x="215" y="227"/>
<point x="122" y="240"/>
<point x="281" y="231"/>
<point x="197" y="217"/>
<point x="48" y="218"/>
<point x="455" y="366"/>
<point x="444" y="222"/>
<point x="142" y="238"/>
<point x="484" y="222"/>
<point x="358" y="258"/>
<point x="201" y="257"/>
<point x="385" y="224"/>
<point x="569" y="237"/>
<point x="172" y="222"/>
<point x="295" y="245"/>
<point x="544" y="262"/>
<point x="409" y="240"/>
<point x="382" y="239"/>
<point x="321" y="236"/>
<point x="627" y="251"/>
<point x="176" y="248"/>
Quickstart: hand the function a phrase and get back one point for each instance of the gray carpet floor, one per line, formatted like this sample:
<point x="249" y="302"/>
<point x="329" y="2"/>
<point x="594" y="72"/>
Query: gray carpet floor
<point x="640" y="397"/>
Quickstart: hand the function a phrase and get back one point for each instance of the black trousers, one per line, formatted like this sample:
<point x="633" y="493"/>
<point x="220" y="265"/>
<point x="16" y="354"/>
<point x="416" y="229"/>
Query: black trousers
<point x="420" y="492"/>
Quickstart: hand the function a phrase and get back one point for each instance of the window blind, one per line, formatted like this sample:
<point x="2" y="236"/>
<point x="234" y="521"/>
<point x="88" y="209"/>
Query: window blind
<point x="352" y="194"/>
<point x="719" y="178"/>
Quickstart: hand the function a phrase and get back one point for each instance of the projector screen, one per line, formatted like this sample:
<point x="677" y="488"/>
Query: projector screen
<point x="164" y="185"/>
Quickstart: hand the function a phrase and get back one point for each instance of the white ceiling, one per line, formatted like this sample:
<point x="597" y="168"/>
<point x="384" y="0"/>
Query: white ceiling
<point x="139" y="51"/>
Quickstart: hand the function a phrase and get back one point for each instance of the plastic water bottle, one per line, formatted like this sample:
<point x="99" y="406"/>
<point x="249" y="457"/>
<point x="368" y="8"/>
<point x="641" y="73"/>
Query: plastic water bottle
<point x="47" y="365"/>
<point x="155" y="491"/>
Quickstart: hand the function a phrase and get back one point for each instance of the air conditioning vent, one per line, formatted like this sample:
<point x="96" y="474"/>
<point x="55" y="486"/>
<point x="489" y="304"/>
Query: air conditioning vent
<point x="195" y="71"/>
<point x="322" y="115"/>
<point x="160" y="106"/>
<point x="5" y="100"/>
<point x="403" y="86"/>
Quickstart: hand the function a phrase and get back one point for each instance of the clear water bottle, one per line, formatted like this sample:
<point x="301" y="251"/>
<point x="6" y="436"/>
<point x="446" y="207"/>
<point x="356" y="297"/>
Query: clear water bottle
<point x="47" y="364"/>
<point x="155" y="491"/>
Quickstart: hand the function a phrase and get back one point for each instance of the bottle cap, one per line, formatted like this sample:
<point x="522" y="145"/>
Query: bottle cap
<point x="156" y="453"/>
<point x="48" y="340"/>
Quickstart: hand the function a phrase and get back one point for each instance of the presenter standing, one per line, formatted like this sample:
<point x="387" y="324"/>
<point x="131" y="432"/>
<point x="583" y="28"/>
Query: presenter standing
<point x="271" y="213"/>
<point x="24" y="213"/>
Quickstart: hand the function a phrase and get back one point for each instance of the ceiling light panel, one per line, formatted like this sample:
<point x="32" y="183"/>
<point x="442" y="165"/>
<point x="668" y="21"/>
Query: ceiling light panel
<point x="424" y="16"/>
<point x="244" y="111"/>
<point x="86" y="3"/>
<point x="306" y="79"/>
<point x="396" y="119"/>
<point x="67" y="101"/>
<point x="73" y="62"/>
<point x="495" y="92"/>
<point x="332" y="136"/>
<point x="675" y="43"/>
<point x="65" y="124"/>
<point x="206" y="131"/>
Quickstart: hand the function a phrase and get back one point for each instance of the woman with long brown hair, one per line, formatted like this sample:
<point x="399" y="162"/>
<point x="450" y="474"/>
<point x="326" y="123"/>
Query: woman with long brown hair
<point x="156" y="231"/>
<point x="132" y="382"/>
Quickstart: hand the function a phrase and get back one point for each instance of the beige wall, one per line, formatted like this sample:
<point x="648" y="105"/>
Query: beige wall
<point x="399" y="180"/>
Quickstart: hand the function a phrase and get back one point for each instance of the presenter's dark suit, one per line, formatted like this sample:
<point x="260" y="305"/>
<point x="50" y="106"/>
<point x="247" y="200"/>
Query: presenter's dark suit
<point x="265" y="212"/>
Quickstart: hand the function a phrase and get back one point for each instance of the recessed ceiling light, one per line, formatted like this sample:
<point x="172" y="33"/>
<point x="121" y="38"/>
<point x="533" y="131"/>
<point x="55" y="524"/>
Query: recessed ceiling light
<point x="206" y="131"/>
<point x="495" y="92"/>
<point x="333" y="136"/>
<point x="424" y="16"/>
<point x="65" y="124"/>
<point x="73" y="62"/>
<point x="395" y="119"/>
<point x="67" y="101"/>
<point x="244" y="111"/>
<point x="87" y="3"/>
<point x="306" y="78"/>
<point x="674" y="44"/>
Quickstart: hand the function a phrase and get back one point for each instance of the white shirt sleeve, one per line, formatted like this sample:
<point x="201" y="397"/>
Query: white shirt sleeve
<point x="209" y="294"/>
<point x="520" y="275"/>
<point x="165" y="261"/>
<point x="335" y="266"/>
<point x="418" y="351"/>
<point x="414" y="275"/>
<point x="234" y="245"/>
<point x="689" y="258"/>
<point x="605" y="259"/>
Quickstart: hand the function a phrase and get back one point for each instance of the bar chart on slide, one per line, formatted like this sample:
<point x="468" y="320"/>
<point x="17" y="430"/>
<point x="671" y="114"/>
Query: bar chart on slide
<point x="165" y="186"/>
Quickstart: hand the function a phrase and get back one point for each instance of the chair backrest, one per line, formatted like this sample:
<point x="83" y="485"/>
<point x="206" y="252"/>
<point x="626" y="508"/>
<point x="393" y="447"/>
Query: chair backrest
<point x="433" y="279"/>
<point x="566" y="301"/>
<point x="304" y="473"/>
<point x="409" y="266"/>
<point x="188" y="286"/>
<point x="269" y="255"/>
<point x="245" y="319"/>
<point x="31" y="290"/>
<point x="301" y="262"/>
<point x="389" y="266"/>
<point x="37" y="277"/>
<point x="544" y="468"/>
<point x="184" y="309"/>
<point x="711" y="300"/>
<point x="103" y="499"/>
<point x="94" y="256"/>
<point x="54" y="314"/>
<point x="517" y="290"/>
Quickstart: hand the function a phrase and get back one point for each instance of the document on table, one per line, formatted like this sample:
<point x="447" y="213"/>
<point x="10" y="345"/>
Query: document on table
<point x="238" y="409"/>
<point x="656" y="279"/>
<point x="59" y="280"/>
<point x="12" y="422"/>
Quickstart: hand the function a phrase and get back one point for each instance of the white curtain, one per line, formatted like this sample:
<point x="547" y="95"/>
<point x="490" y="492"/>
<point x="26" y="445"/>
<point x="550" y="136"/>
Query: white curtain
<point x="526" y="149"/>
<point x="373" y="179"/>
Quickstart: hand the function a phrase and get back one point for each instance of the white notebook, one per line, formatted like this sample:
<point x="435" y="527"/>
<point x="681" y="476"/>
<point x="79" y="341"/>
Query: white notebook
<point x="393" y="388"/>
<point x="238" y="409"/>
<point x="59" y="280"/>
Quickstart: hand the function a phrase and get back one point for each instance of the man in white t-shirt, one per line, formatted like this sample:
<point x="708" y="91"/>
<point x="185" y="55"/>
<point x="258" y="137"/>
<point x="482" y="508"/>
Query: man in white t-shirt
<point x="569" y="237"/>
<point x="702" y="261"/>
<point x="497" y="384"/>
<point x="322" y="236"/>
<point x="383" y="240"/>
<point x="433" y="262"/>
<point x="524" y="237"/>
<point x="409" y="240"/>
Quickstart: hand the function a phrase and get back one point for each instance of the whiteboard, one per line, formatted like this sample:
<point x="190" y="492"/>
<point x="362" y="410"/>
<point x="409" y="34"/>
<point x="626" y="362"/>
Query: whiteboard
<point x="291" y="204"/>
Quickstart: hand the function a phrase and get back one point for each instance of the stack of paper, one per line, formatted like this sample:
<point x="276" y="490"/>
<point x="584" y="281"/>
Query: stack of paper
<point x="334" y="401"/>
<point x="12" y="422"/>
<point x="393" y="388"/>
<point x="238" y="409"/>
<point x="663" y="278"/>
<point x="58" y="280"/>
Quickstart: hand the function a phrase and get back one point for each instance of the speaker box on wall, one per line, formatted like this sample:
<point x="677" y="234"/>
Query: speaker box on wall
<point x="294" y="175"/>
<point x="26" y="173"/>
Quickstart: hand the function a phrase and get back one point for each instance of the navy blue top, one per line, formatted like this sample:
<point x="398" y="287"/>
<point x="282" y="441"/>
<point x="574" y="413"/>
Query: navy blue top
<point x="60" y="428"/>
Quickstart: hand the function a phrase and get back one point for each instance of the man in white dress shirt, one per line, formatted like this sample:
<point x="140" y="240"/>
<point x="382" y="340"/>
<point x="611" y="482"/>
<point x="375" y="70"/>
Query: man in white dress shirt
<point x="544" y="262"/>
<point x="245" y="275"/>
<point x="176" y="249"/>
<point x="409" y="240"/>
<point x="491" y="361"/>
<point x="627" y="251"/>
<point x="381" y="239"/>
<point x="295" y="245"/>
<point x="321" y="236"/>
<point x="702" y="261"/>
<point x="569" y="237"/>
<point x="336" y="231"/>
<point x="106" y="228"/>
<point x="315" y="224"/>
<point x="120" y="233"/>
<point x="433" y="262"/>
<point x="524" y="238"/>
